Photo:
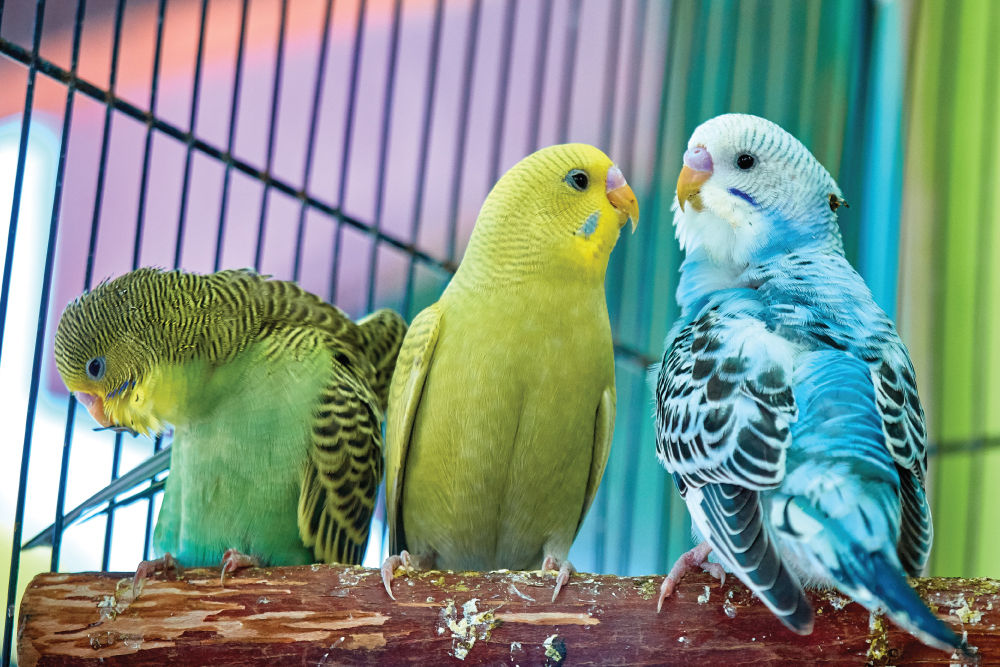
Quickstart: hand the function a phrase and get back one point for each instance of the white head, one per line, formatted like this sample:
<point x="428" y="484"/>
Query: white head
<point x="750" y="189"/>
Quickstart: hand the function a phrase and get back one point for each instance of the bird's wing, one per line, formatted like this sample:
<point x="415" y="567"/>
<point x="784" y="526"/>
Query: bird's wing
<point x="404" y="398"/>
<point x="724" y="409"/>
<point x="382" y="335"/>
<point x="604" y="426"/>
<point x="142" y="473"/>
<point x="906" y="436"/>
<point x="344" y="466"/>
<point x="869" y="335"/>
<point x="724" y="403"/>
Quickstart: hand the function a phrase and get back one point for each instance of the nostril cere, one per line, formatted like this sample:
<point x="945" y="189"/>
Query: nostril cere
<point x="698" y="158"/>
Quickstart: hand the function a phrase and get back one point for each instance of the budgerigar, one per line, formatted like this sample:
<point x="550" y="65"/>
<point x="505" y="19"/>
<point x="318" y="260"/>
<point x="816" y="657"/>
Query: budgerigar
<point x="786" y="405"/>
<point x="502" y="406"/>
<point x="275" y="398"/>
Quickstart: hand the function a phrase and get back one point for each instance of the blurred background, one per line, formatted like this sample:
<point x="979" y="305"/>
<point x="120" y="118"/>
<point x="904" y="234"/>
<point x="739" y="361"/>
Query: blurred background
<point x="348" y="145"/>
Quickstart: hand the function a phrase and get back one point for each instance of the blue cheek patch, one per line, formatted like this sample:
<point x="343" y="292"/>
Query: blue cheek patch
<point x="589" y="225"/>
<point x="119" y="390"/>
<point x="744" y="196"/>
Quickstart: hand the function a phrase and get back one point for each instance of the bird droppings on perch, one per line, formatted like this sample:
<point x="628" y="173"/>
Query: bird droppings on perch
<point x="341" y="614"/>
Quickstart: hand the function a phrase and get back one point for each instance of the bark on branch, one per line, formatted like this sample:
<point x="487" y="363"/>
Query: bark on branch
<point x="335" y="614"/>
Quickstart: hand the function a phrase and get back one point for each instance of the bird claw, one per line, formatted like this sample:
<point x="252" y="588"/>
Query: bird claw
<point x="695" y="558"/>
<point x="565" y="570"/>
<point x="117" y="428"/>
<point x="233" y="560"/>
<point x="150" y="567"/>
<point x="389" y="566"/>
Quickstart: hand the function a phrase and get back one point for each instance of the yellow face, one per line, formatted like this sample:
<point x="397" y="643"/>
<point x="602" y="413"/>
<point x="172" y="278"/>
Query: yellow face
<point x="562" y="202"/>
<point x="108" y="369"/>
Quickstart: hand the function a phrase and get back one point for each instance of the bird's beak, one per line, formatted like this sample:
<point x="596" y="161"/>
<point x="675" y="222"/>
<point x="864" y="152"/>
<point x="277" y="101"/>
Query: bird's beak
<point x="696" y="170"/>
<point x="95" y="406"/>
<point x="621" y="196"/>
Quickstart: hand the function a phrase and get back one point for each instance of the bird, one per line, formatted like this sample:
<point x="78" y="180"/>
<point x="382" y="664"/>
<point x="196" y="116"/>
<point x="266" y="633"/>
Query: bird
<point x="786" y="404"/>
<point x="501" y="409"/>
<point x="275" y="398"/>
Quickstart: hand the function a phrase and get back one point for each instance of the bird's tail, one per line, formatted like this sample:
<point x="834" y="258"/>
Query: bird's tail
<point x="901" y="603"/>
<point x="872" y="578"/>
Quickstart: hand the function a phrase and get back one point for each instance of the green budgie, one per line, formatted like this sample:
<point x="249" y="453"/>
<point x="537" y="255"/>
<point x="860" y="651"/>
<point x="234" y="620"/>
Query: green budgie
<point x="275" y="398"/>
<point x="502" y="406"/>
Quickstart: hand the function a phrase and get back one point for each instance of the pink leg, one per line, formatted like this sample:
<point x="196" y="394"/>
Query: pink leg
<point x="565" y="570"/>
<point x="149" y="567"/>
<point x="233" y="560"/>
<point x="696" y="558"/>
<point x="389" y="566"/>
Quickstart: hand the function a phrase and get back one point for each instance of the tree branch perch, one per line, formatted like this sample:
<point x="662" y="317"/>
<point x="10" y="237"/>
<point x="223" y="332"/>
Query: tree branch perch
<point x="337" y="614"/>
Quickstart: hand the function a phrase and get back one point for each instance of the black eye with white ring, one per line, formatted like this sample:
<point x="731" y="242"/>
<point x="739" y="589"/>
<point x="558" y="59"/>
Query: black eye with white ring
<point x="96" y="368"/>
<point x="745" y="161"/>
<point x="578" y="179"/>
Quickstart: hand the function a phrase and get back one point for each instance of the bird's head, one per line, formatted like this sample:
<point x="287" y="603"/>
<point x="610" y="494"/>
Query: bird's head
<point x="749" y="187"/>
<point x="108" y="351"/>
<point x="562" y="206"/>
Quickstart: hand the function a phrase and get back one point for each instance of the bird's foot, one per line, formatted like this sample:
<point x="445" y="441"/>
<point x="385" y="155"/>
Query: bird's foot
<point x="389" y="566"/>
<point x="233" y="560"/>
<point x="150" y="567"/>
<point x="565" y="570"/>
<point x="691" y="560"/>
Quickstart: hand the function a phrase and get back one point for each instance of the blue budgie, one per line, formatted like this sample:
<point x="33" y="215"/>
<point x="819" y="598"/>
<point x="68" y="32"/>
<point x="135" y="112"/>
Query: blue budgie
<point x="786" y="404"/>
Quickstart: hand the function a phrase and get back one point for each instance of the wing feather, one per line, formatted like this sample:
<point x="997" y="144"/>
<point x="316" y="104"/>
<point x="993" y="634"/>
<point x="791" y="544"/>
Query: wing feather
<point x="344" y="468"/>
<point x="405" y="391"/>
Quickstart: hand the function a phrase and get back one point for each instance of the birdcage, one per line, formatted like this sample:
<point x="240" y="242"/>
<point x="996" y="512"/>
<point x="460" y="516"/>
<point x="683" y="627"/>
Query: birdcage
<point x="348" y="145"/>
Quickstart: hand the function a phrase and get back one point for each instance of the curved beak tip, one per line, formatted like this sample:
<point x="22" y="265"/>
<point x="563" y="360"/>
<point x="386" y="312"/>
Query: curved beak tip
<point x="95" y="406"/>
<point x="621" y="196"/>
<point x="689" y="184"/>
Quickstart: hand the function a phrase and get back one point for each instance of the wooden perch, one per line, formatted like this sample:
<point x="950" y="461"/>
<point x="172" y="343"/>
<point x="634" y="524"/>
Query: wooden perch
<point x="334" y="615"/>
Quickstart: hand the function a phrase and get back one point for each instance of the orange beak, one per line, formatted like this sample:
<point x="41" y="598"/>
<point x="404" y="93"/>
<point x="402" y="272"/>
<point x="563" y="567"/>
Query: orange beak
<point x="689" y="186"/>
<point x="95" y="406"/>
<point x="621" y="196"/>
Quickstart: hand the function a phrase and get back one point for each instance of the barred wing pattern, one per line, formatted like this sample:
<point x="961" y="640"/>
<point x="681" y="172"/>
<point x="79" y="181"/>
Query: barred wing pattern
<point x="343" y="470"/>
<point x="724" y="410"/>
<point x="826" y="305"/>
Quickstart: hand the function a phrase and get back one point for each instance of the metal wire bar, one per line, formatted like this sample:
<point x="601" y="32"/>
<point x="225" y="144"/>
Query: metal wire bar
<point x="425" y="138"/>
<point x="47" y="276"/>
<point x="147" y="540"/>
<point x="940" y="155"/>
<point x="634" y="432"/>
<point x="193" y="117"/>
<point x="22" y="158"/>
<point x="311" y="141"/>
<point x="538" y="87"/>
<point x="87" y="88"/>
<point x="109" y="525"/>
<point x="568" y="69"/>
<point x="984" y="306"/>
<point x="383" y="153"/>
<point x="345" y="156"/>
<point x="140" y="218"/>
<point x="233" y="112"/>
<point x="463" y="129"/>
<point x="271" y="133"/>
<point x="94" y="229"/>
<point x="503" y="84"/>
<point x="674" y="52"/>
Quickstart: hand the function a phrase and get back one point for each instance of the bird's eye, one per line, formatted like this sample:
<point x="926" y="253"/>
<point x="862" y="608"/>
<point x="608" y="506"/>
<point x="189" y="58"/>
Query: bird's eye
<point x="578" y="179"/>
<point x="95" y="368"/>
<point x="745" y="161"/>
